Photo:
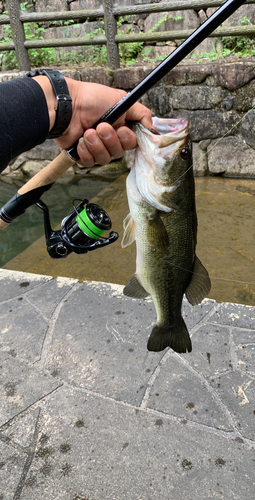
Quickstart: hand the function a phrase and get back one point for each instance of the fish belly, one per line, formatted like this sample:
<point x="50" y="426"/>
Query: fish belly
<point x="165" y="275"/>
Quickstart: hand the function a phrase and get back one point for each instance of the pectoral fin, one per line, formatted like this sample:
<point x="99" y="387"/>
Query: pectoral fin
<point x="129" y="231"/>
<point x="135" y="289"/>
<point x="200" y="284"/>
<point x="157" y="235"/>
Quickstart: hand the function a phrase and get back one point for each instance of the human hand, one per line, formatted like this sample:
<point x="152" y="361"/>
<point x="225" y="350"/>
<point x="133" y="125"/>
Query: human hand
<point x="90" y="102"/>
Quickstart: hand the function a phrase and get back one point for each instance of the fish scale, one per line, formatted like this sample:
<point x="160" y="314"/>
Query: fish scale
<point x="166" y="263"/>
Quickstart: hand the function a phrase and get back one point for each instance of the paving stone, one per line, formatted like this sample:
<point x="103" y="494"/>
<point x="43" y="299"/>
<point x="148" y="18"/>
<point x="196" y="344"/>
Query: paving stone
<point x="109" y="419"/>
<point x="194" y="314"/>
<point x="210" y="350"/>
<point x="236" y="315"/>
<point x="233" y="389"/>
<point x="243" y="336"/>
<point x="106" y="339"/>
<point x="21" y="385"/>
<point x="12" y="462"/>
<point x="22" y="329"/>
<point x="103" y="345"/>
<point x="93" y="448"/>
<point x="180" y="392"/>
<point x="48" y="296"/>
<point x="22" y="430"/>
<point x="13" y="283"/>
<point x="246" y="358"/>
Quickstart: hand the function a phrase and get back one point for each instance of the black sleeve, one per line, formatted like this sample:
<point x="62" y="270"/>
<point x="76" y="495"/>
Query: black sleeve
<point x="24" y="118"/>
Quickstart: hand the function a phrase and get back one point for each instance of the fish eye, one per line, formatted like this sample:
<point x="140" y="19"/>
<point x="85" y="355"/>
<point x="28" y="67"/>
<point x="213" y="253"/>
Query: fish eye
<point x="185" y="154"/>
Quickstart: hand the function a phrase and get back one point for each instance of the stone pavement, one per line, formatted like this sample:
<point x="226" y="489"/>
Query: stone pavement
<point x="87" y="413"/>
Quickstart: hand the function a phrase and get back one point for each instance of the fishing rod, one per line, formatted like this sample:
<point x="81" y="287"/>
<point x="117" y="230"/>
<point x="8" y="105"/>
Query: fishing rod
<point x="82" y="230"/>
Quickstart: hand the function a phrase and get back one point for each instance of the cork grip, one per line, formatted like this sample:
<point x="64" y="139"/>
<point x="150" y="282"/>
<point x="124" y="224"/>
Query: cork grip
<point x="45" y="177"/>
<point x="3" y="224"/>
<point x="50" y="173"/>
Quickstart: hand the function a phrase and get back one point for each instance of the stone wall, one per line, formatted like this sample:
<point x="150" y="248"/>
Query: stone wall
<point x="142" y="23"/>
<point x="218" y="100"/>
<point x="216" y="97"/>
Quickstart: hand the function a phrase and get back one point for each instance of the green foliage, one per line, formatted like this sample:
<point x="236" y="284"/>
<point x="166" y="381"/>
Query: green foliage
<point x="243" y="46"/>
<point x="128" y="51"/>
<point x="235" y="46"/>
<point x="163" y="20"/>
<point x="240" y="46"/>
<point x="37" y="57"/>
<point x="146" y="52"/>
<point x="89" y="54"/>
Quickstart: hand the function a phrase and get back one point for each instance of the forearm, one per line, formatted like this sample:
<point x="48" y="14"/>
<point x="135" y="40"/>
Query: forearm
<point x="28" y="113"/>
<point x="50" y="97"/>
<point x="24" y="118"/>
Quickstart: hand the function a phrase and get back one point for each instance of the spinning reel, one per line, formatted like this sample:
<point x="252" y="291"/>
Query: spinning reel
<point x="81" y="231"/>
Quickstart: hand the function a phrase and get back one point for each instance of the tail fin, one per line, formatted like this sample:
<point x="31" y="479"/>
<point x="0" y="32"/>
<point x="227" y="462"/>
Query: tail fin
<point x="166" y="336"/>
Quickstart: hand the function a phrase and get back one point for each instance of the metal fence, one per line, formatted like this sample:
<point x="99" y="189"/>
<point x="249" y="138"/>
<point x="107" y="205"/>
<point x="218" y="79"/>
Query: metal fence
<point x="110" y="12"/>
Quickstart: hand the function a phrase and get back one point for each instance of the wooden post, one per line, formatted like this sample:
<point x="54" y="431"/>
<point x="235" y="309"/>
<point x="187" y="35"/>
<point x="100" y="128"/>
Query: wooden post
<point x="18" y="35"/>
<point x="110" y="24"/>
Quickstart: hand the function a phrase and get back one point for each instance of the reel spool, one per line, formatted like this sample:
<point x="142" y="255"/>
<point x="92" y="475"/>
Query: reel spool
<point x="81" y="231"/>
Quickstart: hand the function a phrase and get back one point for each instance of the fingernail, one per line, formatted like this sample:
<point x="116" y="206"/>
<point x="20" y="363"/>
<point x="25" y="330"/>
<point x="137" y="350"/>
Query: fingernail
<point x="122" y="135"/>
<point x="91" y="138"/>
<point x="105" y="133"/>
<point x="82" y="144"/>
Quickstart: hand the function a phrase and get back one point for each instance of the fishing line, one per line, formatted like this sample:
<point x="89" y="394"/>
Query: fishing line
<point x="193" y="164"/>
<point x="217" y="142"/>
<point x="213" y="277"/>
<point x="202" y="156"/>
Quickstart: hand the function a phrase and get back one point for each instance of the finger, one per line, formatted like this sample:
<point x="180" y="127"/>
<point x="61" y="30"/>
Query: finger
<point x="127" y="138"/>
<point x="104" y="143"/>
<point x="85" y="157"/>
<point x="139" y="112"/>
<point x="110" y="139"/>
<point x="96" y="147"/>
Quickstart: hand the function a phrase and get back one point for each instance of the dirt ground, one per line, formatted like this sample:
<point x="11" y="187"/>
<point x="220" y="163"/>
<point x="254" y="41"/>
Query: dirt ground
<point x="226" y="238"/>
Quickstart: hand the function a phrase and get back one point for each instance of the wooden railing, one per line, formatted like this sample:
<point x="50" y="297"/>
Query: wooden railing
<point x="17" y="18"/>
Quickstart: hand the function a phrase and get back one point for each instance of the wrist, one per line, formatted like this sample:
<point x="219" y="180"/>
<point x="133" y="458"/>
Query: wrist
<point x="50" y="97"/>
<point x="63" y="112"/>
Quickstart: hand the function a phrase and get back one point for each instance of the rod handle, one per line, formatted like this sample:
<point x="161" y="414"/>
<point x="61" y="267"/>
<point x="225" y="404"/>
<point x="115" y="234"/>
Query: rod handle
<point x="50" y="173"/>
<point x="31" y="192"/>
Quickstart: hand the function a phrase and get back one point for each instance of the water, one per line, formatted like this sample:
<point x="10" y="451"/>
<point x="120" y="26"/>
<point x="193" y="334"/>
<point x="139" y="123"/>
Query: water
<point x="226" y="236"/>
<point x="30" y="226"/>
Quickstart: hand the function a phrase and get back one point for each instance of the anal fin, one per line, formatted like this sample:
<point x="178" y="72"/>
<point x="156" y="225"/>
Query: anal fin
<point x="200" y="284"/>
<point x="135" y="289"/>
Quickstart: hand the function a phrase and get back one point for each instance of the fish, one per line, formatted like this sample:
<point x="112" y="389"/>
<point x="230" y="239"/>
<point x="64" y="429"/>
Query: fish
<point x="163" y="223"/>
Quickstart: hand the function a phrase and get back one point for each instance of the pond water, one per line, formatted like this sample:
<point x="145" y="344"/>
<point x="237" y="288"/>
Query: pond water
<point x="226" y="236"/>
<point x="30" y="226"/>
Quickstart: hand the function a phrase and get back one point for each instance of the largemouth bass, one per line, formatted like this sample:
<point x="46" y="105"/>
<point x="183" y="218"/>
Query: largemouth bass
<point x="163" y="222"/>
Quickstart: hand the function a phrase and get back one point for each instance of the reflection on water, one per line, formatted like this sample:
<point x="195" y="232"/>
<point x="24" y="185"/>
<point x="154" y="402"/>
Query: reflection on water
<point x="226" y="237"/>
<point x="29" y="226"/>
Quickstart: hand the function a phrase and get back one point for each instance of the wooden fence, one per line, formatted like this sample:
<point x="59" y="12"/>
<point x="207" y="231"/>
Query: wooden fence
<point x="110" y="13"/>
